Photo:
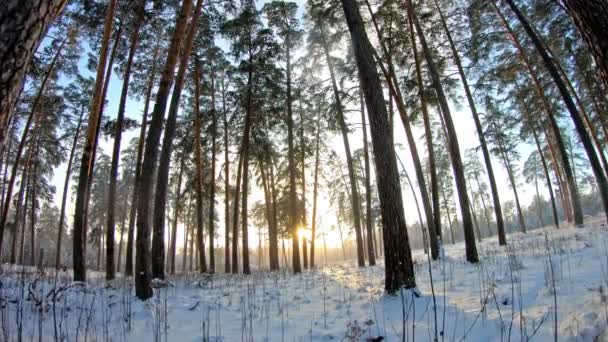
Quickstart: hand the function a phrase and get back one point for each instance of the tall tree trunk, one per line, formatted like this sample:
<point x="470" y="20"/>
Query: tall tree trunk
<point x="315" y="193"/>
<point x="120" y="117"/>
<point x="176" y="213"/>
<point x="226" y="183"/>
<point x="293" y="208"/>
<point x="483" y="204"/>
<point x="428" y="135"/>
<point x="79" y="232"/>
<point x="23" y="25"/>
<point x="28" y="195"/>
<point x="356" y="206"/>
<point x="502" y="239"/>
<point x="399" y="268"/>
<point x="303" y="207"/>
<point x="453" y="146"/>
<point x="509" y="168"/>
<point x="66" y="183"/>
<point x="26" y="129"/>
<point x="245" y="180"/>
<point x="212" y="178"/>
<point x="394" y="91"/>
<point x="567" y="98"/>
<point x="368" y="188"/>
<point x="235" y="215"/>
<point x="589" y="16"/>
<point x="123" y="224"/>
<point x="186" y="235"/>
<point x="274" y="244"/>
<point x="34" y="178"/>
<point x="593" y="134"/>
<point x="198" y="188"/>
<point x="106" y="84"/>
<point x="143" y="289"/>
<point x="137" y="176"/>
<point x="18" y="208"/>
<point x="164" y="162"/>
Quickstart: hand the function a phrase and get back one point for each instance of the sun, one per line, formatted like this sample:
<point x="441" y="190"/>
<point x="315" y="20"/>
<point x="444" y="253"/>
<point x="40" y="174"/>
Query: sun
<point x="304" y="233"/>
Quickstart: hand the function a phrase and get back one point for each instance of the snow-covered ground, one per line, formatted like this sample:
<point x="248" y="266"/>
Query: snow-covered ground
<point x="510" y="296"/>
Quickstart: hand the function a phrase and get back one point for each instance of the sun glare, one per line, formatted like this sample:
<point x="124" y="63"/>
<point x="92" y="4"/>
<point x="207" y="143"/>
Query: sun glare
<point x="304" y="233"/>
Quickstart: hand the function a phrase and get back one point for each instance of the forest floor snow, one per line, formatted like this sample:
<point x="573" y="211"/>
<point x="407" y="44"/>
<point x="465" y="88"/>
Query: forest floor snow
<point x="509" y="296"/>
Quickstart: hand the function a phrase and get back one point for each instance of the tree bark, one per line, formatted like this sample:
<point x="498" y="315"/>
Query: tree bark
<point x="428" y="135"/>
<point x="226" y="183"/>
<point x="23" y="25"/>
<point x="502" y="239"/>
<point x="79" y="232"/>
<point x="590" y="17"/>
<point x="176" y="213"/>
<point x="212" y="178"/>
<point x="120" y="117"/>
<point x="395" y="93"/>
<point x="202" y="267"/>
<point x="293" y="208"/>
<point x="66" y="183"/>
<point x="137" y="176"/>
<point x="399" y="268"/>
<point x="143" y="289"/>
<point x="315" y="193"/>
<point x="164" y="162"/>
<point x="453" y="146"/>
<point x="235" y="215"/>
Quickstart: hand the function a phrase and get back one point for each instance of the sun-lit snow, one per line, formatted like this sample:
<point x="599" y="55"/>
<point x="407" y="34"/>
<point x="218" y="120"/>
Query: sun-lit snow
<point x="509" y="296"/>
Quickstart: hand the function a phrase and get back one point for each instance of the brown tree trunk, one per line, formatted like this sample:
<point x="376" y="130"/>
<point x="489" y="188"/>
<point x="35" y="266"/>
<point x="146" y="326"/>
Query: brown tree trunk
<point x="33" y="185"/>
<point x="502" y="239"/>
<point x="66" y="183"/>
<point x="164" y="162"/>
<point x="79" y="232"/>
<point x="198" y="188"/>
<point x="293" y="208"/>
<point x="453" y="146"/>
<point x="368" y="188"/>
<point x="235" y="216"/>
<point x="428" y="135"/>
<point x="137" y="176"/>
<point x="591" y="19"/>
<point x="274" y="244"/>
<point x="315" y="193"/>
<point x="303" y="208"/>
<point x="566" y="97"/>
<point x="176" y="213"/>
<point x="399" y="268"/>
<point x="120" y="117"/>
<point x="245" y="171"/>
<point x="509" y="168"/>
<point x="212" y="180"/>
<point x="226" y="183"/>
<point x="394" y="91"/>
<point x="18" y="208"/>
<point x="23" y="25"/>
<point x="187" y="230"/>
<point x="143" y="289"/>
